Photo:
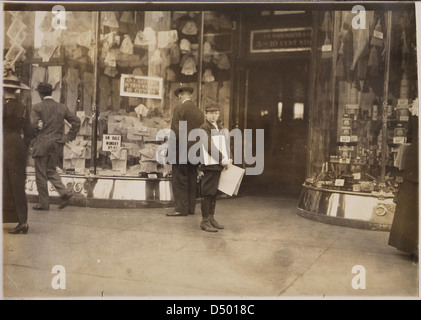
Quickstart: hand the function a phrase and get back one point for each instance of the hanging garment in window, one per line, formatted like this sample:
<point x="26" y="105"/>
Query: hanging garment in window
<point x="155" y="63"/>
<point x="189" y="66"/>
<point x="208" y="76"/>
<point x="189" y="28"/>
<point x="185" y="46"/>
<point x="127" y="17"/>
<point x="222" y="61"/>
<point x="175" y="53"/>
<point x="109" y="19"/>
<point x="72" y="85"/>
<point x="54" y="78"/>
<point x="166" y="38"/>
<point x="84" y="39"/>
<point x="147" y="37"/>
<point x="127" y="45"/>
<point x="38" y="75"/>
<point x="207" y="52"/>
<point x="88" y="91"/>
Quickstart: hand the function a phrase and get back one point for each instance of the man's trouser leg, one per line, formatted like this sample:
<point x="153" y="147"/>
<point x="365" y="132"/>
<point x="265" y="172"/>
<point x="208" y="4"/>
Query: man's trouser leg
<point x="180" y="185"/>
<point x="45" y="169"/>
<point x="54" y="176"/>
<point x="192" y="172"/>
<point x="41" y="179"/>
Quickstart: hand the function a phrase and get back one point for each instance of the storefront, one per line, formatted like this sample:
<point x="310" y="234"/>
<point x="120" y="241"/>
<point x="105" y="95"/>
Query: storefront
<point x="316" y="84"/>
<point x="365" y="81"/>
<point x="117" y="70"/>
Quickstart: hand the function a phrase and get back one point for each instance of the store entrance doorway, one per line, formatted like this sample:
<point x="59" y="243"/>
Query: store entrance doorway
<point x="277" y="102"/>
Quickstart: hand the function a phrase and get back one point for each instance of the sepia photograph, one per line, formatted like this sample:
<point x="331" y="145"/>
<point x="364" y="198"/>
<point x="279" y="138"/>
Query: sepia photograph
<point x="210" y="150"/>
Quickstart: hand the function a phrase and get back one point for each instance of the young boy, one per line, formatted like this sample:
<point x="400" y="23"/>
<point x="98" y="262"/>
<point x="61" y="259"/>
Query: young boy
<point x="211" y="173"/>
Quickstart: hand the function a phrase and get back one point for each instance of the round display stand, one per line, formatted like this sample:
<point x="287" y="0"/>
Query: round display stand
<point x="346" y="208"/>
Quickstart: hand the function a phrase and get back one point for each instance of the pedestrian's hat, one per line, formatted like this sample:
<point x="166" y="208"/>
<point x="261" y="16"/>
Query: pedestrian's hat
<point x="212" y="107"/>
<point x="44" y="87"/>
<point x="11" y="81"/>
<point x="182" y="88"/>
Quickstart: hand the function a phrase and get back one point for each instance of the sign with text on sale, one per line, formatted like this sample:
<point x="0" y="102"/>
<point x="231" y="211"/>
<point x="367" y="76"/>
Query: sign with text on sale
<point x="111" y="142"/>
<point x="140" y="86"/>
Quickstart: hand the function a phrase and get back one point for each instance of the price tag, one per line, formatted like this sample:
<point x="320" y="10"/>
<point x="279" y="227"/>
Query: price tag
<point x="346" y="148"/>
<point x="345" y="139"/>
<point x="326" y="48"/>
<point x="399" y="139"/>
<point x="352" y="107"/>
<point x="339" y="182"/>
<point x="378" y="34"/>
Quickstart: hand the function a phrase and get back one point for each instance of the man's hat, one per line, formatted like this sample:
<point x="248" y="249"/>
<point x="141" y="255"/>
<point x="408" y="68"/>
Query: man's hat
<point x="11" y="81"/>
<point x="44" y="87"/>
<point x="182" y="88"/>
<point x="212" y="107"/>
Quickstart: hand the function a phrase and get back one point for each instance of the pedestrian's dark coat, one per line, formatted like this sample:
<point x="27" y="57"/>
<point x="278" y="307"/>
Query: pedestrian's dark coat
<point x="15" y="123"/>
<point x="184" y="175"/>
<point x="404" y="230"/>
<point x="189" y="112"/>
<point x="52" y="115"/>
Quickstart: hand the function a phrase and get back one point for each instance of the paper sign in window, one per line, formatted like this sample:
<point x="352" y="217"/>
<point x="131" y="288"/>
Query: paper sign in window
<point x="140" y="86"/>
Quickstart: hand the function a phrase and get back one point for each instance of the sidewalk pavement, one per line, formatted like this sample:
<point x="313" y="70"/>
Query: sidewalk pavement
<point x="265" y="251"/>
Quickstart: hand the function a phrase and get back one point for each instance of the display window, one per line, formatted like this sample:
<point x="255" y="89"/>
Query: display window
<point x="366" y="82"/>
<point x="117" y="70"/>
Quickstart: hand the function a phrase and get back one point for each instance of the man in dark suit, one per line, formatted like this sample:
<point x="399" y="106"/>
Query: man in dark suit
<point x="184" y="173"/>
<point x="47" y="119"/>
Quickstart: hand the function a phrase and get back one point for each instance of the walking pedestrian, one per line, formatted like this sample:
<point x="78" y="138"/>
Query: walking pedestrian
<point x="16" y="138"/>
<point x="211" y="172"/>
<point x="47" y="118"/>
<point x="184" y="173"/>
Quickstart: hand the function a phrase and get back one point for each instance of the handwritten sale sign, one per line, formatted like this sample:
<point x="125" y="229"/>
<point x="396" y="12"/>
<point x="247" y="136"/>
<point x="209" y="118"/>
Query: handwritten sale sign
<point x="140" y="86"/>
<point x="111" y="142"/>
